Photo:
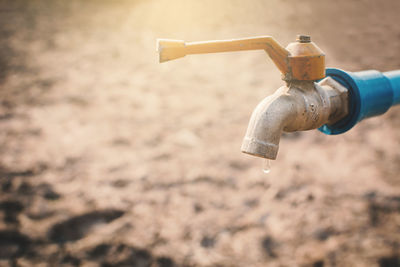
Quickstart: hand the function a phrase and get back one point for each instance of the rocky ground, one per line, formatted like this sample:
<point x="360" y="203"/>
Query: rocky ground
<point x="111" y="159"/>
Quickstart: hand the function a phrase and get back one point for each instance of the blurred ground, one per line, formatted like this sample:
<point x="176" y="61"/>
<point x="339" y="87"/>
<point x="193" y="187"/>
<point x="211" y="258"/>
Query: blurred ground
<point x="111" y="159"/>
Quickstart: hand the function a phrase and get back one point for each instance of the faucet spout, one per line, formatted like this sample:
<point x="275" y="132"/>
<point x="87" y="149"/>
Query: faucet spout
<point x="298" y="106"/>
<point x="267" y="122"/>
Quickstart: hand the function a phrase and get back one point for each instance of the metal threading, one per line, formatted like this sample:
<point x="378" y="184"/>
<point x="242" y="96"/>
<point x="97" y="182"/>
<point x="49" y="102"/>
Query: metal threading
<point x="303" y="39"/>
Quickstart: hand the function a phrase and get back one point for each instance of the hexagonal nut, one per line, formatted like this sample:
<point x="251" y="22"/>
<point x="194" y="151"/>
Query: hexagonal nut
<point x="329" y="81"/>
<point x="341" y="91"/>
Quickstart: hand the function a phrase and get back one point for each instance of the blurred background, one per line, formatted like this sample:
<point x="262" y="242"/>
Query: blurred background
<point x="109" y="158"/>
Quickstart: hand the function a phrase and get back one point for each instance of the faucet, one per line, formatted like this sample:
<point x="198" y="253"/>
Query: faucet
<point x="312" y="97"/>
<point x="296" y="106"/>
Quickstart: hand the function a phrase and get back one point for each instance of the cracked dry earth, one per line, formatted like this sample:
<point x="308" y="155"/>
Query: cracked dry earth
<point x="111" y="159"/>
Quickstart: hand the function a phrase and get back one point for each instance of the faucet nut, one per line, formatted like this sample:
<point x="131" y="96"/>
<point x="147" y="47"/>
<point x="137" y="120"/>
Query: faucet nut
<point x="303" y="38"/>
<point x="338" y="94"/>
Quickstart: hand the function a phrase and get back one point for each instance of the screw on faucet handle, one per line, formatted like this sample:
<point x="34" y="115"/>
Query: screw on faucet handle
<point x="303" y="38"/>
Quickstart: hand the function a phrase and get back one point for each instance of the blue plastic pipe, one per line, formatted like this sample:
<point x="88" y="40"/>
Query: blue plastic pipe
<point x="371" y="93"/>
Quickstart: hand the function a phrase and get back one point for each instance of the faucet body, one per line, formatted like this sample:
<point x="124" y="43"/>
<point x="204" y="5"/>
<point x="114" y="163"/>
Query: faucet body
<point x="297" y="106"/>
<point x="331" y="100"/>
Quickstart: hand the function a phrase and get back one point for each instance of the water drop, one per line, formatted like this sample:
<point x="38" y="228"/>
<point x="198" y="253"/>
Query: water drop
<point x="266" y="166"/>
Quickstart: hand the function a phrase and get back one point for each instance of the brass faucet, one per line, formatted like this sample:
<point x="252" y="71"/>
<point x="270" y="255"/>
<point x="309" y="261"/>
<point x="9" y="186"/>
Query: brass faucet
<point x="307" y="101"/>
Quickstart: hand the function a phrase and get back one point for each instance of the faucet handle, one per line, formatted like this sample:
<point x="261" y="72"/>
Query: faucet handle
<point x="173" y="49"/>
<point x="301" y="60"/>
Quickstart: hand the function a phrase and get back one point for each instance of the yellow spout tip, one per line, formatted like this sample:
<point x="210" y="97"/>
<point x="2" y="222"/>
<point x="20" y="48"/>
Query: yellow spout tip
<point x="170" y="49"/>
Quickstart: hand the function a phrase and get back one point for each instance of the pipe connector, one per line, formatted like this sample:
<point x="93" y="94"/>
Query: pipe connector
<point x="371" y="93"/>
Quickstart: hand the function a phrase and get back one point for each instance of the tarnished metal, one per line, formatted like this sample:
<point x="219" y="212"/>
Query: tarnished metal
<point x="302" y="104"/>
<point x="298" y="106"/>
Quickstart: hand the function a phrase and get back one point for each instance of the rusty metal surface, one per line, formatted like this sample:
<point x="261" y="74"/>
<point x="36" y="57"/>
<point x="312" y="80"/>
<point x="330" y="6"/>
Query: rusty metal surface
<point x="306" y="60"/>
